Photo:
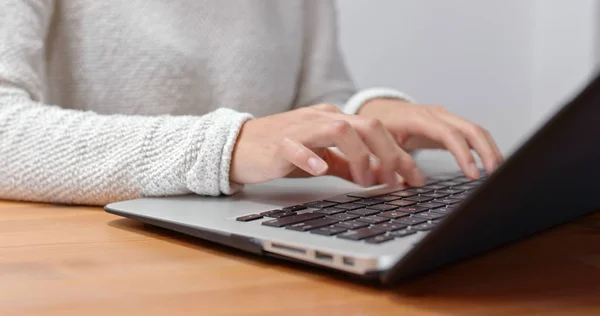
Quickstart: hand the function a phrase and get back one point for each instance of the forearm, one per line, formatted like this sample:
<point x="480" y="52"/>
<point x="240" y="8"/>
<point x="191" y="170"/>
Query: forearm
<point x="50" y="154"/>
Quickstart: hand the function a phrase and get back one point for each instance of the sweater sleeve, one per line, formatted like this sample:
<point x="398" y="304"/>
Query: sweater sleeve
<point x="52" y="154"/>
<point x="325" y="77"/>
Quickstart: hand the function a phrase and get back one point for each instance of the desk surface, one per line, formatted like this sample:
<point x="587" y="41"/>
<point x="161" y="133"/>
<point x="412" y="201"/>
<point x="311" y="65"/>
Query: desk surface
<point x="57" y="260"/>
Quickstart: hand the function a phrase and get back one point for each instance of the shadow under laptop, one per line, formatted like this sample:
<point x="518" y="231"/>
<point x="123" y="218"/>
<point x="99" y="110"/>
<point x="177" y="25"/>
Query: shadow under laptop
<point x="561" y="266"/>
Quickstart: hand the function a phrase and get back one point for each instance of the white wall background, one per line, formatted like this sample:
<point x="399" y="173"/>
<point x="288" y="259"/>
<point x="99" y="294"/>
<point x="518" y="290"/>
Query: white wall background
<point x="503" y="64"/>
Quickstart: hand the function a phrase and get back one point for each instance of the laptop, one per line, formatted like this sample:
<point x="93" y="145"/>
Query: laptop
<point x="393" y="234"/>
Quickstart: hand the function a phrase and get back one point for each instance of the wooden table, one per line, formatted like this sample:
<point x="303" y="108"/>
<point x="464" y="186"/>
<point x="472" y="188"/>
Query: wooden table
<point x="59" y="260"/>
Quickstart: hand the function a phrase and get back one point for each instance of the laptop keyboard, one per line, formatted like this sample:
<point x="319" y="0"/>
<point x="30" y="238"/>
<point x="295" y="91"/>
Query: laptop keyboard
<point x="376" y="216"/>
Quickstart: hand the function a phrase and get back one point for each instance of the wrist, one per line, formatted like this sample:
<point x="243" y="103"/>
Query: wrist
<point x="234" y="167"/>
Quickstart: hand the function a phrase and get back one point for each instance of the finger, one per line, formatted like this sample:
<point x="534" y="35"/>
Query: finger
<point x="376" y="167"/>
<point x="420" y="142"/>
<point x="496" y="149"/>
<point x="497" y="153"/>
<point x="326" y="107"/>
<point x="452" y="139"/>
<point x="302" y="157"/>
<point x="341" y="134"/>
<point x="339" y="166"/>
<point x="476" y="139"/>
<point x="392" y="158"/>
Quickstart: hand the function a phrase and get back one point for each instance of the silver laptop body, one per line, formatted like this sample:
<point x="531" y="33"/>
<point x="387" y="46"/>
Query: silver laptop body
<point x="551" y="179"/>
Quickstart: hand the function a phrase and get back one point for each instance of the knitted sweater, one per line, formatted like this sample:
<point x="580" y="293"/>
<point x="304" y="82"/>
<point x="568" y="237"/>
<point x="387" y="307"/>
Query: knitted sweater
<point x="110" y="100"/>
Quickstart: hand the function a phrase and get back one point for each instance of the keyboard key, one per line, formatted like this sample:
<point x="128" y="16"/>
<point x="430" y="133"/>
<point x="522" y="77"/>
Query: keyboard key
<point x="373" y="193"/>
<point x="447" y="201"/>
<point x="443" y="210"/>
<point x="362" y="233"/>
<point x="363" y="212"/>
<point x="390" y="226"/>
<point x="342" y="199"/>
<point x="294" y="208"/>
<point x="312" y="224"/>
<point x="451" y="191"/>
<point x="432" y="205"/>
<point x="330" y="211"/>
<point x="393" y="214"/>
<point x="404" y="194"/>
<point x="248" y="218"/>
<point x="423" y="226"/>
<point x="419" y="199"/>
<point x="435" y="187"/>
<point x="436" y="195"/>
<point x="352" y="224"/>
<point x="450" y="183"/>
<point x="453" y="206"/>
<point x="297" y="227"/>
<point x="373" y="219"/>
<point x="379" y="239"/>
<point x="290" y="220"/>
<point x="368" y="202"/>
<point x="462" y="179"/>
<point x="401" y="233"/>
<point x="350" y="206"/>
<point x="430" y="215"/>
<point x="421" y="190"/>
<point x="461" y="188"/>
<point x="382" y="207"/>
<point x="402" y="203"/>
<point x="320" y="204"/>
<point x="269" y="213"/>
<point x="412" y="220"/>
<point x="329" y="230"/>
<point x="282" y="214"/>
<point x="342" y="217"/>
<point x="412" y="209"/>
<point x="387" y="198"/>
<point x="442" y="177"/>
<point x="461" y="196"/>
<point x="461" y="183"/>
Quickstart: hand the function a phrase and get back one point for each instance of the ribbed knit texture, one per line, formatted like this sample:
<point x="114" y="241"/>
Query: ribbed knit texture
<point x="110" y="100"/>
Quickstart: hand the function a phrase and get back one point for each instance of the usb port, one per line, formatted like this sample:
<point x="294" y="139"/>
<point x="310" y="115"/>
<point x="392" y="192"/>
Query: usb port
<point x="323" y="256"/>
<point x="348" y="261"/>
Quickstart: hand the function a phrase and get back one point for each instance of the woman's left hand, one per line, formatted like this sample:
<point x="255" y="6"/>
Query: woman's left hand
<point x="427" y="126"/>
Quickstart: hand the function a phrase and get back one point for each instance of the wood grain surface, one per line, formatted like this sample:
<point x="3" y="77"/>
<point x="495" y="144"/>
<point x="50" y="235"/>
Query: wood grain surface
<point x="61" y="260"/>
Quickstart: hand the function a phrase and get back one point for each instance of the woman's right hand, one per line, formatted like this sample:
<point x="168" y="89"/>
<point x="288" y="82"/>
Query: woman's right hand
<point x="296" y="143"/>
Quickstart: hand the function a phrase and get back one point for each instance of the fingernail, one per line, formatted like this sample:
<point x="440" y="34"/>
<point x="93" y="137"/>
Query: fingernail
<point x="473" y="170"/>
<point x="369" y="178"/>
<point x="418" y="177"/>
<point x="317" y="165"/>
<point x="399" y="179"/>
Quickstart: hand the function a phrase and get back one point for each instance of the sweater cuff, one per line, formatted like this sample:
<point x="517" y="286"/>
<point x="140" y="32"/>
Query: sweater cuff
<point x="354" y="104"/>
<point x="226" y="186"/>
<point x="217" y="146"/>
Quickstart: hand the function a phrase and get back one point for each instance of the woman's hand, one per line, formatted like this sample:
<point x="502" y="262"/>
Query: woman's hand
<point x="419" y="126"/>
<point x="295" y="143"/>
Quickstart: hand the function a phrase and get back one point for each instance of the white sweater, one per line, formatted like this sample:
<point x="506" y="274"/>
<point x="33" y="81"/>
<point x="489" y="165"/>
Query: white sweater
<point x="110" y="100"/>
